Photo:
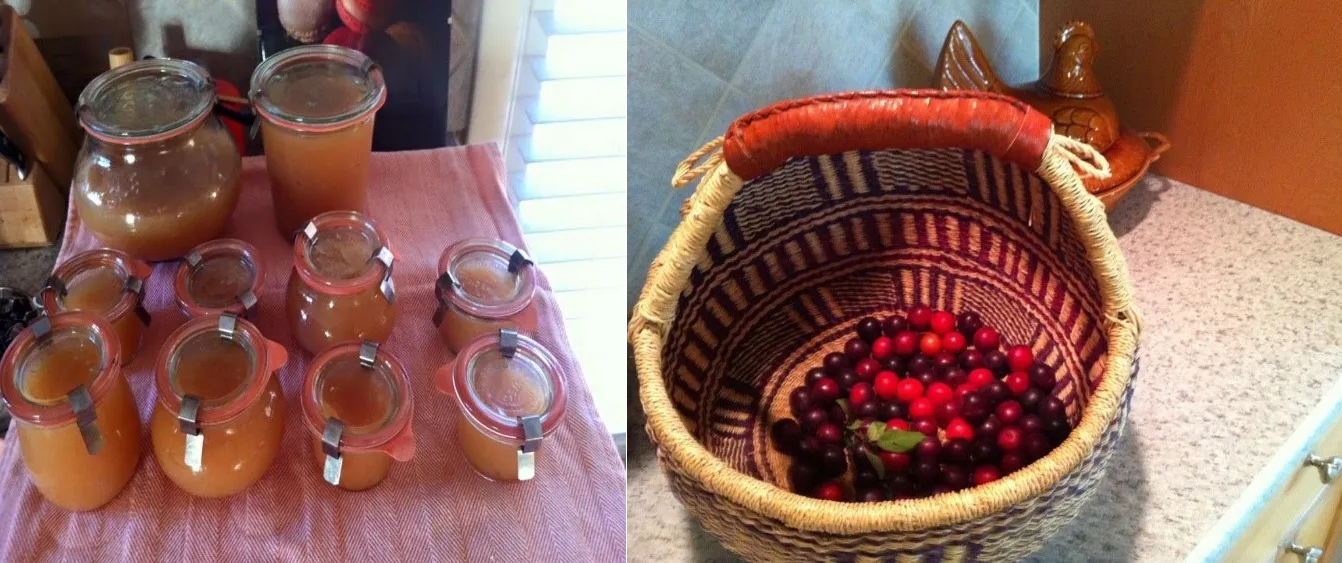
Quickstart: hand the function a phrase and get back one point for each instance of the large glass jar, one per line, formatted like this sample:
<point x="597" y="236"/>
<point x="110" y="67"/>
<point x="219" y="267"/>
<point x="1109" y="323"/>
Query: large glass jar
<point x="483" y="286"/>
<point x="510" y="396"/>
<point x="341" y="289"/>
<point x="106" y="283"/>
<point x="316" y="105"/>
<point x="357" y="403"/>
<point x="75" y="417"/>
<point x="157" y="174"/>
<point x="219" y="417"/>
<point x="218" y="276"/>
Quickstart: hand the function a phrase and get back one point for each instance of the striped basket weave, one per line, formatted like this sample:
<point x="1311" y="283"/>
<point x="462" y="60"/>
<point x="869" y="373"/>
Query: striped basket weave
<point x="820" y="211"/>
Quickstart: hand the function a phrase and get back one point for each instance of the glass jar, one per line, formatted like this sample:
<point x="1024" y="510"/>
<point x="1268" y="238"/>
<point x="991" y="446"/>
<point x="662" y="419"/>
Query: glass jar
<point x="341" y="288"/>
<point x="483" y="286"/>
<point x="106" y="283"/>
<point x="358" y="405"/>
<point x="510" y="396"/>
<point x="316" y="104"/>
<point x="218" y="276"/>
<point x="219" y="416"/>
<point x="75" y="417"/>
<point x="157" y="174"/>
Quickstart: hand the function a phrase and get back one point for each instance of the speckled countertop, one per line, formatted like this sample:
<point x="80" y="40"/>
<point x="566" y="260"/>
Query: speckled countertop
<point x="27" y="269"/>
<point x="1243" y="333"/>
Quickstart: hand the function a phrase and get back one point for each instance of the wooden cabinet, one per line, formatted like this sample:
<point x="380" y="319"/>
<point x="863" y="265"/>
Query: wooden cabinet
<point x="1293" y="508"/>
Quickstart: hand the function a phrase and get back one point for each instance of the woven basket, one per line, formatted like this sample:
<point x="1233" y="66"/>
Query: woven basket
<point x="818" y="212"/>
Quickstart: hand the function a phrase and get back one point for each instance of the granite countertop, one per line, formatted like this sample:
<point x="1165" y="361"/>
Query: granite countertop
<point x="27" y="269"/>
<point x="1243" y="333"/>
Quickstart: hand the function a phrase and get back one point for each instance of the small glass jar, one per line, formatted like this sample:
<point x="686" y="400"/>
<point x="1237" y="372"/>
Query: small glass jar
<point x="76" y="420"/>
<point x="219" y="416"/>
<point x="316" y="104"/>
<point x="219" y="276"/>
<point x="107" y="283"/>
<point x="341" y="288"/>
<point x="358" y="405"/>
<point x="510" y="396"/>
<point x="483" y="286"/>
<point x="157" y="174"/>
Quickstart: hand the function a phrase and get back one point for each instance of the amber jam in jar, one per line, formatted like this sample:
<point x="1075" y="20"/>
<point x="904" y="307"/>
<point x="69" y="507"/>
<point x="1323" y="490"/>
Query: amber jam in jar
<point x="316" y="105"/>
<point x="511" y="396"/>
<point x="218" y="276"/>
<point x="483" y="286"/>
<point x="219" y="415"/>
<point x="357" y="403"/>
<point x="75" y="418"/>
<point x="106" y="283"/>
<point x="157" y="174"/>
<point x="341" y="288"/>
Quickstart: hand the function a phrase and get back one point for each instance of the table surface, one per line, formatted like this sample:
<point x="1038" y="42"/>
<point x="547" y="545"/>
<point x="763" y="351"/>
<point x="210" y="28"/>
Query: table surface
<point x="1243" y="312"/>
<point x="433" y="507"/>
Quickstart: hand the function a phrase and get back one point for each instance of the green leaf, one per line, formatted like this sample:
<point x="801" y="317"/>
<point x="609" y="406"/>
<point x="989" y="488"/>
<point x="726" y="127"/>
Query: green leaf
<point x="875" y="431"/>
<point x="855" y="425"/>
<point x="875" y="463"/>
<point x="899" y="441"/>
<point x="843" y="404"/>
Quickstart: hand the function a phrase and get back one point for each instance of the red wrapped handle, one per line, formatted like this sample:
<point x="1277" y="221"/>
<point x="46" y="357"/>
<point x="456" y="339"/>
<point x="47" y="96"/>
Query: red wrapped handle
<point x="896" y="119"/>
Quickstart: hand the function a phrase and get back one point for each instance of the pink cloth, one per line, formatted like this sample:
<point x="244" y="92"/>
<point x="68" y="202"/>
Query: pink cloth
<point x="432" y="508"/>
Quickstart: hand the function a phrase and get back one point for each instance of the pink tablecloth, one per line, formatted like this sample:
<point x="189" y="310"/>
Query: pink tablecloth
<point x="432" y="508"/>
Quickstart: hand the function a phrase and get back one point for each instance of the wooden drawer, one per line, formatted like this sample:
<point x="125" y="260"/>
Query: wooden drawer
<point x="1292" y="511"/>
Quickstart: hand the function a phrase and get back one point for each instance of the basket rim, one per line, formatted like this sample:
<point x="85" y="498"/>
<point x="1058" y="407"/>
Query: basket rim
<point x="669" y="275"/>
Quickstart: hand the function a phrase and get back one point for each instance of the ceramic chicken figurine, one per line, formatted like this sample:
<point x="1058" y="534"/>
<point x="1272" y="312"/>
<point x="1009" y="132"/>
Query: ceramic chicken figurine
<point x="1068" y="92"/>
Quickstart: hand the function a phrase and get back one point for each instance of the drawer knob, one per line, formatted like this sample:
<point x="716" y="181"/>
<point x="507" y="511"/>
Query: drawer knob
<point x="1330" y="466"/>
<point x="1308" y="554"/>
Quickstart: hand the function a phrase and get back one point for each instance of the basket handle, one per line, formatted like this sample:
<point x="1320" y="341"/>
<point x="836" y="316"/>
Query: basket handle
<point x="897" y="119"/>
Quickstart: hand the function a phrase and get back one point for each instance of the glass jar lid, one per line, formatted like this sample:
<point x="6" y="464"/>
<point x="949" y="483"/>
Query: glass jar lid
<point x="59" y="366"/>
<point x="217" y="276"/>
<point x="146" y="101"/>
<point x="317" y="87"/>
<point x="486" y="278"/>
<point x="363" y="387"/>
<point x="344" y="252"/>
<point x="221" y="362"/>
<point x="502" y="379"/>
<point x="103" y="282"/>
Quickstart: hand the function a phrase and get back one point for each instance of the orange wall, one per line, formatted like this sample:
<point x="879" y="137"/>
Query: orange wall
<point x="1248" y="91"/>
